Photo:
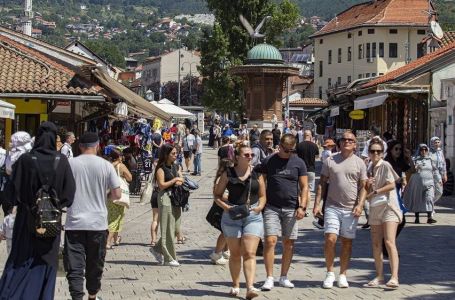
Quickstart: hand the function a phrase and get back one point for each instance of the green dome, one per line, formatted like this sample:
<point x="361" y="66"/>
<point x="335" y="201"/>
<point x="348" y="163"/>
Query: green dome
<point x="264" y="54"/>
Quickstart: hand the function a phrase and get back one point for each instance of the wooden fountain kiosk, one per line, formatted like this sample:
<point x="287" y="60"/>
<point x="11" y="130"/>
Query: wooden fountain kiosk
<point x="265" y="76"/>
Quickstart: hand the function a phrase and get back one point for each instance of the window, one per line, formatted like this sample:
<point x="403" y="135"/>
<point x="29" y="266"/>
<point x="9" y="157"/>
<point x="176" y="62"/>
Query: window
<point x="349" y="53"/>
<point x="360" y="51"/>
<point x="330" y="57"/>
<point x="339" y="55"/>
<point x="381" y="49"/>
<point x="421" y="49"/>
<point x="320" y="68"/>
<point x="367" y="75"/>
<point x="360" y="33"/>
<point x="320" y="92"/>
<point x="339" y="80"/>
<point x="421" y="31"/>
<point x="380" y="74"/>
<point x="349" y="35"/>
<point x="368" y="52"/>
<point x="370" y="31"/>
<point x="321" y="41"/>
<point x="393" y="50"/>
<point x="349" y="79"/>
<point x="393" y="31"/>
<point x="373" y="50"/>
<point x="360" y="76"/>
<point x="329" y="82"/>
<point x="373" y="74"/>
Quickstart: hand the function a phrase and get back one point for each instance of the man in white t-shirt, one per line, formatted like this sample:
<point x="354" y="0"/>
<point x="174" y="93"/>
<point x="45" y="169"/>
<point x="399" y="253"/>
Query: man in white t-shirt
<point x="86" y="222"/>
<point x="67" y="149"/>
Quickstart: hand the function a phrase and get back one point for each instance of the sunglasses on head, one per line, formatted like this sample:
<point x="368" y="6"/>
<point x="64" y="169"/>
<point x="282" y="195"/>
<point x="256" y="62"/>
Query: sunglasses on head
<point x="375" y="151"/>
<point x="348" y="141"/>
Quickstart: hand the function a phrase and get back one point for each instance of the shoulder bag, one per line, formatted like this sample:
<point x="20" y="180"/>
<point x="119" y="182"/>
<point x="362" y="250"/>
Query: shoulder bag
<point x="125" y="199"/>
<point x="238" y="212"/>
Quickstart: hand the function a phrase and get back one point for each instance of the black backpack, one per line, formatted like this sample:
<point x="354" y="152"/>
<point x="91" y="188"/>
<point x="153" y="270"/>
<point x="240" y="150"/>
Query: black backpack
<point x="46" y="212"/>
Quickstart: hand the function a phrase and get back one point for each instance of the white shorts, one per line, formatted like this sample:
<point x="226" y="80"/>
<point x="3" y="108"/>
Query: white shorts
<point x="311" y="181"/>
<point x="340" y="222"/>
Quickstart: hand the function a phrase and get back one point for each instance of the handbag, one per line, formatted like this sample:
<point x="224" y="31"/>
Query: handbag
<point x="147" y="193"/>
<point x="214" y="216"/>
<point x="241" y="211"/>
<point x="125" y="198"/>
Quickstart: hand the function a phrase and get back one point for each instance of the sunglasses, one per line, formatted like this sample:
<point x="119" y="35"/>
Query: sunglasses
<point x="249" y="155"/>
<point x="375" y="151"/>
<point x="287" y="150"/>
<point x="424" y="149"/>
<point x="348" y="141"/>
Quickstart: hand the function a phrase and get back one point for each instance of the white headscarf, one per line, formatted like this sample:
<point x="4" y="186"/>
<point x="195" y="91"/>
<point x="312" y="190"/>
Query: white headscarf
<point x="21" y="142"/>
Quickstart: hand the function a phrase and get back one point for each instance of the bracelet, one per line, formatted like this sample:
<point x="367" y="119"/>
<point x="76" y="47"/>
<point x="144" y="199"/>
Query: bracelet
<point x="304" y="208"/>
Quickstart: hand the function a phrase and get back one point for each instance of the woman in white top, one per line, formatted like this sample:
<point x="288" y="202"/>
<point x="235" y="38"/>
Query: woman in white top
<point x="385" y="213"/>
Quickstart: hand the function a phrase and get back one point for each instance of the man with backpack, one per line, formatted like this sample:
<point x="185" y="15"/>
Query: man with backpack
<point x="86" y="221"/>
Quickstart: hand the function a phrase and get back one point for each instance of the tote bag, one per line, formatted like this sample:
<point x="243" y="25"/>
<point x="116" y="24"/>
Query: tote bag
<point x="125" y="199"/>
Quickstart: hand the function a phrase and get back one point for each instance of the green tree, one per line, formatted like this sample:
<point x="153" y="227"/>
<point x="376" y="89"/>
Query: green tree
<point x="107" y="50"/>
<point x="230" y="42"/>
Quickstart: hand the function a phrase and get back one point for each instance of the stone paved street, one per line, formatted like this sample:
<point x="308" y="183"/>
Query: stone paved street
<point x="427" y="267"/>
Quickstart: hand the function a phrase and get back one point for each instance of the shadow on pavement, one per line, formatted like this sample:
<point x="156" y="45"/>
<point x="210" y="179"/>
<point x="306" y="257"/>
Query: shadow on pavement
<point x="194" y="293"/>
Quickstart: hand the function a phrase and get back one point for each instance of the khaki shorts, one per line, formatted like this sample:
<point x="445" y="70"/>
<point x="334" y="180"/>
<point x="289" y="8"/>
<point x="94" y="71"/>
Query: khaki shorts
<point x="384" y="213"/>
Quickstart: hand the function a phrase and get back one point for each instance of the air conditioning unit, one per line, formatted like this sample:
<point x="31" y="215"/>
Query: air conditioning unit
<point x="370" y="59"/>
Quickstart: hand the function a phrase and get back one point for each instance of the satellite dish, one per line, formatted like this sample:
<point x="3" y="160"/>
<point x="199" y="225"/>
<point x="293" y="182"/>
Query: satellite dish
<point x="436" y="29"/>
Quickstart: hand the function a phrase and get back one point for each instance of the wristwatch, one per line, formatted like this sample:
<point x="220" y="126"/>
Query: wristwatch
<point x="375" y="192"/>
<point x="304" y="208"/>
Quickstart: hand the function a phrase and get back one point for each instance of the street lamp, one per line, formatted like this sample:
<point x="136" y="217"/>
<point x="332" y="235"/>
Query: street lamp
<point x="150" y="95"/>
<point x="178" y="76"/>
<point x="190" y="64"/>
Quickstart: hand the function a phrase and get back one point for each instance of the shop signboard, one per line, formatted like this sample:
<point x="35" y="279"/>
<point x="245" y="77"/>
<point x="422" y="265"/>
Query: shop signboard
<point x="357" y="114"/>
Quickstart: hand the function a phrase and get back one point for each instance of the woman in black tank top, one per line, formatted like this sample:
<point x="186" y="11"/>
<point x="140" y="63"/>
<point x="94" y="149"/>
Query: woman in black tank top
<point x="167" y="176"/>
<point x="242" y="235"/>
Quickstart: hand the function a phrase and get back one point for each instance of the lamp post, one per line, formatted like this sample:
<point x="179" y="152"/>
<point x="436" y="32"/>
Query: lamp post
<point x="190" y="64"/>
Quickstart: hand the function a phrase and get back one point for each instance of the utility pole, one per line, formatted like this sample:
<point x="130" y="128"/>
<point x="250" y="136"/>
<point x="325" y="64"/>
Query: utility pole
<point x="178" y="76"/>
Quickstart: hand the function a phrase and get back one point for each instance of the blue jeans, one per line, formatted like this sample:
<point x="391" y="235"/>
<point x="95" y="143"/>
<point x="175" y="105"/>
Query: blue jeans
<point x="197" y="163"/>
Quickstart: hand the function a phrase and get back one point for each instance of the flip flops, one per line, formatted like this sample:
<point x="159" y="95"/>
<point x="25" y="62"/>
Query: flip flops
<point x="376" y="282"/>
<point x="392" y="283"/>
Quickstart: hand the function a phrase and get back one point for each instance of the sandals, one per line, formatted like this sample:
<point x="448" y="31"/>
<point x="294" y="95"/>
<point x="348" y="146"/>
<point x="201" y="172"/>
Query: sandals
<point x="251" y="293"/>
<point x="109" y="247"/>
<point x="234" y="292"/>
<point x="117" y="242"/>
<point x="392" y="283"/>
<point x="181" y="240"/>
<point x="152" y="243"/>
<point x="376" y="282"/>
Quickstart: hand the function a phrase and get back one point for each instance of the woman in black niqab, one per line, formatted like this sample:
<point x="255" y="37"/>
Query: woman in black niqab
<point x="31" y="269"/>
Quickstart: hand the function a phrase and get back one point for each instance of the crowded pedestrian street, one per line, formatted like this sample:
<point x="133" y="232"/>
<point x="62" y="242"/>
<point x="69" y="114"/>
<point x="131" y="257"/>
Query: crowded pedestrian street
<point x="427" y="267"/>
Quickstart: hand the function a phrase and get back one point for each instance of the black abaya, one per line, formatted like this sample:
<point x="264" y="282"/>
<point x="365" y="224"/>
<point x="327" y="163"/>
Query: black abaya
<point x="31" y="269"/>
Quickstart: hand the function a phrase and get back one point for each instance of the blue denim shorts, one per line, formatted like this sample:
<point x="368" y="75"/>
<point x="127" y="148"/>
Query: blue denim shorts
<point x="251" y="225"/>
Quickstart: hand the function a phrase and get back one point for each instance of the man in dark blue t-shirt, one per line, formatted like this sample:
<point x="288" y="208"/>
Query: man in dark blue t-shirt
<point x="287" y="198"/>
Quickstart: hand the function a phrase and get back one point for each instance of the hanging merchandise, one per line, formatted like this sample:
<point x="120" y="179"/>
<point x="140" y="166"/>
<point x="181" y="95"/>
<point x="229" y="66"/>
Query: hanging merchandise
<point x="157" y="124"/>
<point x="121" y="109"/>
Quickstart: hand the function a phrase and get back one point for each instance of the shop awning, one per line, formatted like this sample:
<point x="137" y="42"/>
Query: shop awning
<point x="7" y="110"/>
<point x="369" y="101"/>
<point x="135" y="102"/>
<point x="174" y="110"/>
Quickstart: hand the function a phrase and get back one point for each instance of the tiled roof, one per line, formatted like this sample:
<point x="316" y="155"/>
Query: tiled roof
<point x="308" y="102"/>
<point x="379" y="12"/>
<point x="449" y="37"/>
<point x="411" y="66"/>
<point x="24" y="70"/>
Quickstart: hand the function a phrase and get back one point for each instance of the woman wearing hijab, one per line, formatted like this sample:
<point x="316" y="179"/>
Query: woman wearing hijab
<point x="437" y="155"/>
<point x="31" y="269"/>
<point x="21" y="142"/>
<point x="419" y="195"/>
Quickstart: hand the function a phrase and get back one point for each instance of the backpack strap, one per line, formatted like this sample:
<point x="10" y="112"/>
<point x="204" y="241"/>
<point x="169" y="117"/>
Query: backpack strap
<point x="45" y="180"/>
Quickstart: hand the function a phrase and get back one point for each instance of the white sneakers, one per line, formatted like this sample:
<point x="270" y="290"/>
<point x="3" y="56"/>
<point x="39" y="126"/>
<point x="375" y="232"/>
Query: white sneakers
<point x="218" y="259"/>
<point x="283" y="282"/>
<point x="268" y="284"/>
<point x="330" y="279"/>
<point x="173" y="263"/>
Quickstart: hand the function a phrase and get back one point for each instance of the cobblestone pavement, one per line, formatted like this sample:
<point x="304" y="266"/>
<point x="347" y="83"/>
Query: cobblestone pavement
<point x="427" y="267"/>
